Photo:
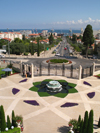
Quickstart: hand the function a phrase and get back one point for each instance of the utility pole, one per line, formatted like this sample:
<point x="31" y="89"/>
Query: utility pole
<point x="8" y="44"/>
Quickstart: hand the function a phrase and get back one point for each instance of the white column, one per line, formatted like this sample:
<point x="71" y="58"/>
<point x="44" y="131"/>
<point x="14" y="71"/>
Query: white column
<point x="32" y="71"/>
<point x="93" y="67"/>
<point x="25" y="69"/>
<point x="20" y="66"/>
<point x="80" y="72"/>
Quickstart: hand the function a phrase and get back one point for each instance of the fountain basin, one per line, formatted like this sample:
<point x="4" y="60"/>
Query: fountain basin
<point x="54" y="86"/>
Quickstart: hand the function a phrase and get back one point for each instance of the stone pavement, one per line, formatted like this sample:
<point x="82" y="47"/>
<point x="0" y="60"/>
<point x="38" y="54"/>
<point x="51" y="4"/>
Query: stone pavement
<point x="48" y="117"/>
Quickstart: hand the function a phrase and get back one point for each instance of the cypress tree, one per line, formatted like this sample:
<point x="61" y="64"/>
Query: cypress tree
<point x="13" y="119"/>
<point x="79" y="119"/>
<point x="90" y="122"/>
<point x="85" y="123"/>
<point x="81" y="127"/>
<point x="99" y="123"/>
<point x="8" y="122"/>
<point x="3" y="122"/>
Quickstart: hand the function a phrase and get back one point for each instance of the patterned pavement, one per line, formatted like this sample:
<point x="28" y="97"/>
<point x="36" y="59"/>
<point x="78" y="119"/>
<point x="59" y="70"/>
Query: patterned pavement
<point x="49" y="117"/>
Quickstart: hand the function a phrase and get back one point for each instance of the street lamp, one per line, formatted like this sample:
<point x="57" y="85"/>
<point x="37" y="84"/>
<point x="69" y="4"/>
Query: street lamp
<point x="8" y="44"/>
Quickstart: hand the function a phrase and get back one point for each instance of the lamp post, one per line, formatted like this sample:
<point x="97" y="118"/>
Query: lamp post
<point x="8" y="44"/>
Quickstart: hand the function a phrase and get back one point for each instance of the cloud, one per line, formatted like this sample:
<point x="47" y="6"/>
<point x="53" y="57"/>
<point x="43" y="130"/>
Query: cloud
<point x="79" y="23"/>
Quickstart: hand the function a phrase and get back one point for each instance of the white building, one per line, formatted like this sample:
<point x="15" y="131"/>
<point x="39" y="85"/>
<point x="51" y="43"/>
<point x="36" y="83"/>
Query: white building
<point x="44" y="32"/>
<point x="10" y="35"/>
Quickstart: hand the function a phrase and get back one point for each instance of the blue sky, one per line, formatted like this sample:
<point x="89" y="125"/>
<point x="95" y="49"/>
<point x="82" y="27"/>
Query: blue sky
<point x="48" y="14"/>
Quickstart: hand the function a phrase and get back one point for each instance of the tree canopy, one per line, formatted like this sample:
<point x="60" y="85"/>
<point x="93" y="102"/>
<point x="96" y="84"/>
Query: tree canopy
<point x="88" y="38"/>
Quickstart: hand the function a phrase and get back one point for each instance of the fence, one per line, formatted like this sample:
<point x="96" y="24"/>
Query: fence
<point x="55" y="70"/>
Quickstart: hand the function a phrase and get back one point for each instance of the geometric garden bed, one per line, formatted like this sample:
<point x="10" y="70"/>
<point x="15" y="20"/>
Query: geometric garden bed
<point x="39" y="87"/>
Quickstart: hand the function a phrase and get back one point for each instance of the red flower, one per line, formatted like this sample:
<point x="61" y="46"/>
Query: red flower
<point x="70" y="125"/>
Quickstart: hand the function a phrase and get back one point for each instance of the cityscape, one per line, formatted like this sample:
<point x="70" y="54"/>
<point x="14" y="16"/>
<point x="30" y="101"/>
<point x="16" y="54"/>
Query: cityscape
<point x="49" y="66"/>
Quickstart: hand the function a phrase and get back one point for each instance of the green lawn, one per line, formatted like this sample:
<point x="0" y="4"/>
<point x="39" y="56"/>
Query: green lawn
<point x="1" y="72"/>
<point x="15" y="130"/>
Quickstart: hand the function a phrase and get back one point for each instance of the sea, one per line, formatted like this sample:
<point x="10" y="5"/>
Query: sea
<point x="59" y="31"/>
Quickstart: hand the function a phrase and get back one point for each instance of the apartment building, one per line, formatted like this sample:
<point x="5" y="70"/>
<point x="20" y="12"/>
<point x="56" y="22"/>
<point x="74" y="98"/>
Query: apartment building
<point x="10" y="36"/>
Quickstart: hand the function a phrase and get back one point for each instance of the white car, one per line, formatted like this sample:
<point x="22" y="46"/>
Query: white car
<point x="2" y="56"/>
<point x="57" y="54"/>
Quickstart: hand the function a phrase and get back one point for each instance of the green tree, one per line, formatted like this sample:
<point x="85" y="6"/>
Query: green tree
<point x="17" y="48"/>
<point x="79" y="119"/>
<point x="8" y="122"/>
<point x="85" y="123"/>
<point x="90" y="123"/>
<point x="74" y="37"/>
<point x="17" y="40"/>
<point x="81" y="127"/>
<point x="13" y="119"/>
<point x="23" y="38"/>
<point x="3" y="122"/>
<point x="99" y="123"/>
<point x="3" y="42"/>
<point x="88" y="38"/>
<point x="38" y="48"/>
<point x="51" y="39"/>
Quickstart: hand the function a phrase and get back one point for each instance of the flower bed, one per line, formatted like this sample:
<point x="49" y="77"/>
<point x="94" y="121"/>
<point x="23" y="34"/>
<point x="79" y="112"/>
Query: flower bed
<point x="68" y="104"/>
<point x="91" y="95"/>
<point x="86" y="83"/>
<point x="24" y="80"/>
<point x="15" y="91"/>
<point x="32" y="102"/>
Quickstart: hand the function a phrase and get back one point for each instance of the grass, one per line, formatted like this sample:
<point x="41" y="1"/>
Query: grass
<point x="15" y="130"/>
<point x="72" y="90"/>
<point x="43" y="94"/>
<point x="2" y="72"/>
<point x="71" y="85"/>
<point x="36" y="83"/>
<point x="34" y="89"/>
<point x="61" y="95"/>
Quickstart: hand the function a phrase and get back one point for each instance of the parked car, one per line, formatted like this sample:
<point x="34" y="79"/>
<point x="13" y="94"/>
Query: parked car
<point x="65" y="48"/>
<point x="57" y="54"/>
<point x="2" y="56"/>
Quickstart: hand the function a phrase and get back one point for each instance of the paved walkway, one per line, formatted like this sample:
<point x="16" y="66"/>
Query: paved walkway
<point x="48" y="117"/>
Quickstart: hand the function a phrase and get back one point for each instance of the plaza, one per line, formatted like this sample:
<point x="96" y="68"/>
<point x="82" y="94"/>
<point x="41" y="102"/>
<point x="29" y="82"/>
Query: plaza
<point x="49" y="116"/>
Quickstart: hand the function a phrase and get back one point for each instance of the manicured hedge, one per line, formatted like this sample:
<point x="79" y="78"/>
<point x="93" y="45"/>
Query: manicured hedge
<point x="58" y="60"/>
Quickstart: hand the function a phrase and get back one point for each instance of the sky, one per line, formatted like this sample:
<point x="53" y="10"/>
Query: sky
<point x="49" y="14"/>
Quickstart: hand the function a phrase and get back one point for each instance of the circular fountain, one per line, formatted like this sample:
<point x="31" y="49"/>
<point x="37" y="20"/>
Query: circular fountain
<point x="54" y="86"/>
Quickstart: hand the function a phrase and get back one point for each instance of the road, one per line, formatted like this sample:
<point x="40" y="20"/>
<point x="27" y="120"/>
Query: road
<point x="63" y="54"/>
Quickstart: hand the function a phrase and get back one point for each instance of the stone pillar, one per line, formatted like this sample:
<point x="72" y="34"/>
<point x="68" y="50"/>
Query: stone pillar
<point x="93" y="67"/>
<point x="20" y="66"/>
<point x="32" y="71"/>
<point x="25" y="69"/>
<point x="80" y="72"/>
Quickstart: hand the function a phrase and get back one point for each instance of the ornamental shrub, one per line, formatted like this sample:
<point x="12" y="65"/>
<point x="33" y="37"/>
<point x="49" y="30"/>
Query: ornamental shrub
<point x="90" y="123"/>
<point x="8" y="122"/>
<point x="3" y="122"/>
<point x="85" y="123"/>
<point x="13" y="119"/>
<point x="81" y="127"/>
<point x="99" y="123"/>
